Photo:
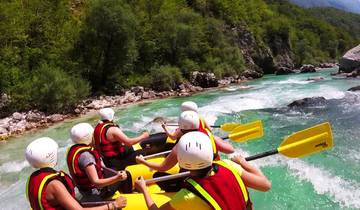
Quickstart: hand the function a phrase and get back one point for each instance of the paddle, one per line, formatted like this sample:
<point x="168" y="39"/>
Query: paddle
<point x="309" y="141"/>
<point x="241" y="133"/>
<point x="225" y="127"/>
<point x="302" y="143"/>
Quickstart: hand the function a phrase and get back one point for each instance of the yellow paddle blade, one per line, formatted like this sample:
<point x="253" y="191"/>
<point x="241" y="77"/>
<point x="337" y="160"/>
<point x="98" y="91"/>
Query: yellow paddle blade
<point x="247" y="131"/>
<point x="137" y="146"/>
<point x="229" y="126"/>
<point x="170" y="140"/>
<point x="308" y="141"/>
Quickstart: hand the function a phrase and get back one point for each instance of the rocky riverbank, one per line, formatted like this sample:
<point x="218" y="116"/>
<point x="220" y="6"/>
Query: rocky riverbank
<point x="20" y="122"/>
<point x="306" y="68"/>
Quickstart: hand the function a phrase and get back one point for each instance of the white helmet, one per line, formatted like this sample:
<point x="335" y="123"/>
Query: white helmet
<point x="42" y="153"/>
<point x="106" y="114"/>
<point x="82" y="133"/>
<point x="189" y="120"/>
<point x="194" y="151"/>
<point x="189" y="106"/>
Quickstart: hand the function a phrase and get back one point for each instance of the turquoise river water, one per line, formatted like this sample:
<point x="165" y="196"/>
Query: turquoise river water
<point x="328" y="180"/>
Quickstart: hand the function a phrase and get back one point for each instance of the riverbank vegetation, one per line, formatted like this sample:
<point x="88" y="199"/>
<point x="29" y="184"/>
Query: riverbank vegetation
<point x="55" y="53"/>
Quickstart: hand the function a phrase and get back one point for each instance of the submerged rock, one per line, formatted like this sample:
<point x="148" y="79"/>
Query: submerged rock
<point x="327" y="65"/>
<point x="305" y="102"/>
<point x="356" y="88"/>
<point x="307" y="68"/>
<point x="354" y="73"/>
<point x="315" y="79"/>
<point x="283" y="70"/>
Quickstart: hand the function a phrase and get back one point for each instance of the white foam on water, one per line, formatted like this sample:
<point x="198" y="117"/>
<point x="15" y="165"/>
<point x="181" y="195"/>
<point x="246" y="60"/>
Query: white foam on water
<point x="262" y="162"/>
<point x="325" y="91"/>
<point x="138" y="125"/>
<point x="294" y="81"/>
<point x="272" y="96"/>
<point x="233" y="104"/>
<point x="148" y="123"/>
<point x="13" y="166"/>
<point x="344" y="192"/>
<point x="355" y="155"/>
<point x="230" y="89"/>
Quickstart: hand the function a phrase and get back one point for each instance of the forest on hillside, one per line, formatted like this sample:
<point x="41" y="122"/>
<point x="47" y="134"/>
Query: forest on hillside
<point x="338" y="18"/>
<point x="55" y="53"/>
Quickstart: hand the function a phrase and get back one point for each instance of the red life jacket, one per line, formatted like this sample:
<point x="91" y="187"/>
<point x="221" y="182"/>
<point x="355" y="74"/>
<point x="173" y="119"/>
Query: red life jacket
<point x="224" y="190"/>
<point x="203" y="129"/>
<point x="36" y="187"/>
<point x="107" y="148"/>
<point x="79" y="175"/>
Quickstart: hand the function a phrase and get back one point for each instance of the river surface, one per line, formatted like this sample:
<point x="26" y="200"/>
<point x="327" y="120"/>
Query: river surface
<point x="328" y="180"/>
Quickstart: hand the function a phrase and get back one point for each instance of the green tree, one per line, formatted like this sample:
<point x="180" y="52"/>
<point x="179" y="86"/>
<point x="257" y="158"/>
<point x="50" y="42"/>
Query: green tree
<point x="106" y="49"/>
<point x="165" y="77"/>
<point x="49" y="89"/>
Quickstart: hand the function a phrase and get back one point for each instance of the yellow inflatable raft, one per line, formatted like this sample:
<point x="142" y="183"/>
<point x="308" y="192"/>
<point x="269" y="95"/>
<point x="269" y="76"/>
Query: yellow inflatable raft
<point x="142" y="170"/>
<point x="136" y="201"/>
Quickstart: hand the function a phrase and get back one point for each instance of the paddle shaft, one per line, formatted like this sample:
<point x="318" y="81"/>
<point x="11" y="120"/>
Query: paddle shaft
<point x="213" y="126"/>
<point x="157" y="154"/>
<point x="261" y="155"/>
<point x="168" y="177"/>
<point x="95" y="203"/>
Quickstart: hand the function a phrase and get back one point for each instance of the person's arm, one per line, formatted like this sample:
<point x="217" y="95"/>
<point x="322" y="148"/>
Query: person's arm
<point x="57" y="194"/>
<point x="169" y="162"/>
<point x="223" y="146"/>
<point x="174" y="135"/>
<point x="141" y="186"/>
<point x="252" y="176"/>
<point x="94" y="178"/>
<point x="115" y="134"/>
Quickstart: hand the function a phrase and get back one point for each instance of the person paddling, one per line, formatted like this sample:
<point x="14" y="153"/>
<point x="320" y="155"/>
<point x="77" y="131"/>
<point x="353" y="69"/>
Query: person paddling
<point x="115" y="146"/>
<point x="189" y="106"/>
<point x="85" y="167"/>
<point x="202" y="126"/>
<point x="48" y="189"/>
<point x="212" y="184"/>
<point x="188" y="121"/>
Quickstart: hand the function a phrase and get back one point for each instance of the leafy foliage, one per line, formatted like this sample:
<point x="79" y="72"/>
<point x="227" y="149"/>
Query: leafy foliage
<point x="165" y="77"/>
<point x="49" y="89"/>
